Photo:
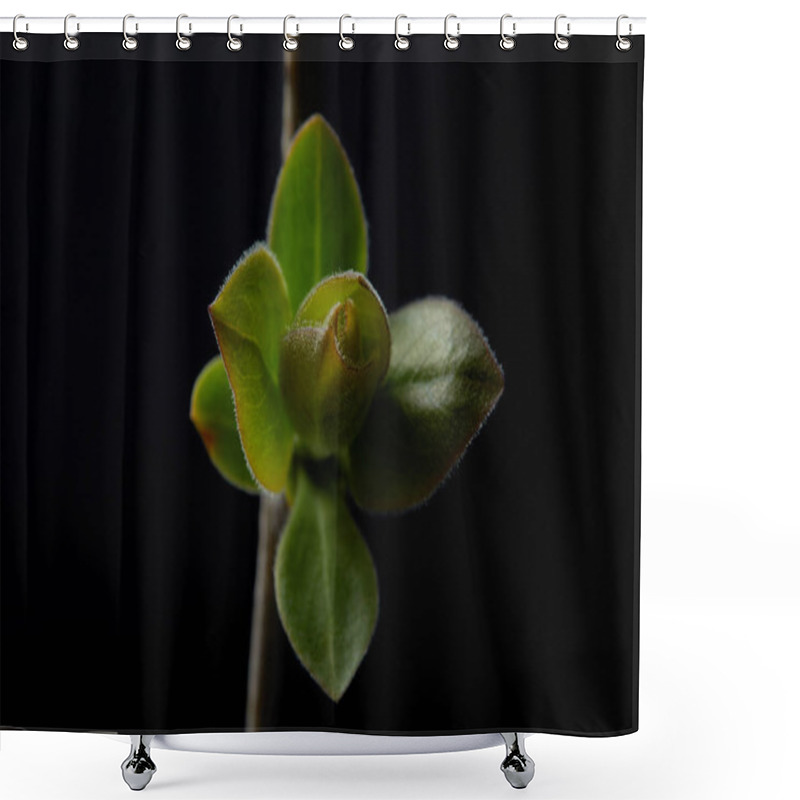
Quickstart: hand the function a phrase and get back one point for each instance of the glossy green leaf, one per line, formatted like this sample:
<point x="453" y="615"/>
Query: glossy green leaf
<point x="325" y="583"/>
<point x="250" y="315"/>
<point x="316" y="225"/>
<point x="443" y="381"/>
<point x="212" y="413"/>
<point x="332" y="360"/>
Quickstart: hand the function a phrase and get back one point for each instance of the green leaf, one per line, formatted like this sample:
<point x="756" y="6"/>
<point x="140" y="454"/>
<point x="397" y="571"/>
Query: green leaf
<point x="443" y="382"/>
<point x="325" y="582"/>
<point x="332" y="360"/>
<point x="213" y="415"/>
<point x="316" y="225"/>
<point x="250" y="315"/>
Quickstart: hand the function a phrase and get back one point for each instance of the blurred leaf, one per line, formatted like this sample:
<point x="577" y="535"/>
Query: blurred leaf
<point x="332" y="360"/>
<point x="249" y="316"/>
<point x="212" y="413"/>
<point x="325" y="583"/>
<point x="316" y="225"/>
<point x="443" y="382"/>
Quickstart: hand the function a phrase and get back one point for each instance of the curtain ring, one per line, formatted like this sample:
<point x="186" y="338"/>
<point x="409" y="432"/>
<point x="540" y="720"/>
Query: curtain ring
<point x="561" y="42"/>
<point x="234" y="44"/>
<point x="623" y="44"/>
<point x="20" y="42"/>
<point x="128" y="42"/>
<point x="507" y="42"/>
<point x="289" y="42"/>
<point x="70" y="42"/>
<point x="452" y="42"/>
<point x="401" y="42"/>
<point x="346" y="42"/>
<point x="182" y="42"/>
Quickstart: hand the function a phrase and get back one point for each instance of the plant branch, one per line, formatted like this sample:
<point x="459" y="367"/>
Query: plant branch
<point x="273" y="509"/>
<point x="272" y="514"/>
<point x="289" y="102"/>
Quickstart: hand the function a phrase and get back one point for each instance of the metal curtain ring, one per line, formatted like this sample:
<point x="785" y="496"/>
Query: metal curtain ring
<point x="20" y="42"/>
<point x="234" y="44"/>
<point x="623" y="44"/>
<point x="289" y="42"/>
<point x="401" y="42"/>
<point x="182" y="42"/>
<point x="128" y="42"/>
<point x="346" y="42"/>
<point x="561" y="42"/>
<point x="507" y="42"/>
<point x="452" y="42"/>
<point x="70" y="42"/>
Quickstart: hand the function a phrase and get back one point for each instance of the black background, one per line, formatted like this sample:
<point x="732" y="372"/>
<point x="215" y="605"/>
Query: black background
<point x="129" y="189"/>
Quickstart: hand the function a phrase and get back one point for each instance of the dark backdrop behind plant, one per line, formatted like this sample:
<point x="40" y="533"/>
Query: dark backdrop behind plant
<point x="509" y="601"/>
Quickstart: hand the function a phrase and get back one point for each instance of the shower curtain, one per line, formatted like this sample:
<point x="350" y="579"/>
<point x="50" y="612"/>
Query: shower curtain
<point x="320" y="385"/>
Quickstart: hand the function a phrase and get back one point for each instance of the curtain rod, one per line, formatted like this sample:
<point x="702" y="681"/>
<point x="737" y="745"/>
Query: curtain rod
<point x="463" y="26"/>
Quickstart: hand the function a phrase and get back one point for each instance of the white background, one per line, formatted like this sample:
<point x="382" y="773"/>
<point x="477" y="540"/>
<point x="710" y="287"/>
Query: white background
<point x="720" y="704"/>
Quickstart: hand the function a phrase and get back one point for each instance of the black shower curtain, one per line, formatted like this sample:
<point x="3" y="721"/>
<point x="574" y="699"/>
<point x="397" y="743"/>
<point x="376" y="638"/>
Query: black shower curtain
<point x="132" y="183"/>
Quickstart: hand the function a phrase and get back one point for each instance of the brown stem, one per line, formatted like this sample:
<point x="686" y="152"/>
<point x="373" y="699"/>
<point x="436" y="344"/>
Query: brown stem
<point x="273" y="510"/>
<point x="271" y="519"/>
<point x="289" y="101"/>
